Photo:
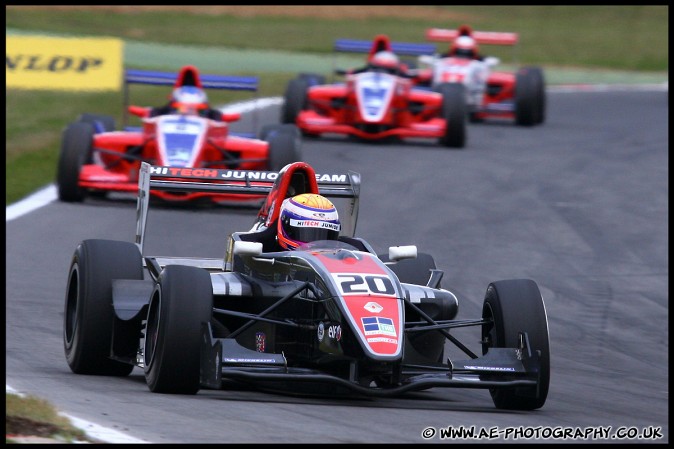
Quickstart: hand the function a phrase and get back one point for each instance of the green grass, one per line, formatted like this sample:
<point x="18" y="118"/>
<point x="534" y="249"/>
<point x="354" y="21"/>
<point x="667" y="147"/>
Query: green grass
<point x="630" y="38"/>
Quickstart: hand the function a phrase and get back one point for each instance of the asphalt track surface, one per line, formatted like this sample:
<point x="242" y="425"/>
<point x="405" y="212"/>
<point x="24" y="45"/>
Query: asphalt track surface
<point x="580" y="205"/>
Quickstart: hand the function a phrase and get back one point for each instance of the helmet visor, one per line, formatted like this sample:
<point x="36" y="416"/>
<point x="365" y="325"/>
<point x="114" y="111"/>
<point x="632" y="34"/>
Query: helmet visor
<point x="310" y="230"/>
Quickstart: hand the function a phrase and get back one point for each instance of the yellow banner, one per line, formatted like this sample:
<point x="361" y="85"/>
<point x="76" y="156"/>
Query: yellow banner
<point x="36" y="62"/>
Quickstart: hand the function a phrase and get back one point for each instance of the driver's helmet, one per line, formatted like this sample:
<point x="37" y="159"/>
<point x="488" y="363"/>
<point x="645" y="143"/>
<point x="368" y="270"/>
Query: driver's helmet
<point x="189" y="100"/>
<point x="305" y="218"/>
<point x="464" y="47"/>
<point x="385" y="60"/>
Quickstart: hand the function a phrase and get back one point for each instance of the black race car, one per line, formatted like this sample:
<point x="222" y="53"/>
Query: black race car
<point x="331" y="313"/>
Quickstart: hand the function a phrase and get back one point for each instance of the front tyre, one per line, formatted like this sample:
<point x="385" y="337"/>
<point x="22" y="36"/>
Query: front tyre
<point x="454" y="112"/>
<point x="529" y="96"/>
<point x="514" y="306"/>
<point x="101" y="123"/>
<point x="88" y="315"/>
<point x="181" y="301"/>
<point x="295" y="99"/>
<point x="76" y="150"/>
<point x="312" y="79"/>
<point x="285" y="146"/>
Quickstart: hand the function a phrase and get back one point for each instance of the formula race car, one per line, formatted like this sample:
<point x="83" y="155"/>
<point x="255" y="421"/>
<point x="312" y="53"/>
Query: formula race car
<point x="96" y="159"/>
<point x="329" y="313"/>
<point x="380" y="101"/>
<point x="489" y="93"/>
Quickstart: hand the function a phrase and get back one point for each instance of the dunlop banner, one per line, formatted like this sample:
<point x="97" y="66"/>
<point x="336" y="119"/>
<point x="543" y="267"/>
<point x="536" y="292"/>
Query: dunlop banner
<point x="37" y="62"/>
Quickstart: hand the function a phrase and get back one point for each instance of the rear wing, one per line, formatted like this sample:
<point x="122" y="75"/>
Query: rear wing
<point x="481" y="37"/>
<point x="206" y="81"/>
<point x="342" y="188"/>
<point x="399" y="48"/>
<point x="381" y="42"/>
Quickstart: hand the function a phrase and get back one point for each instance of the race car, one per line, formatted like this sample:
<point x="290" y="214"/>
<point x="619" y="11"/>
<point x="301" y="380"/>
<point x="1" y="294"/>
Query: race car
<point x="95" y="158"/>
<point x="329" y="316"/>
<point x="377" y="103"/>
<point x="489" y="93"/>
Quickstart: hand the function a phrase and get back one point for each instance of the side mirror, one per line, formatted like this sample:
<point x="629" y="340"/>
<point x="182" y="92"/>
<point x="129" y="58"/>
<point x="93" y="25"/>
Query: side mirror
<point x="242" y="248"/>
<point x="492" y="61"/>
<point x="139" y="111"/>
<point x="396" y="253"/>
<point x="426" y="59"/>
<point x="230" y="116"/>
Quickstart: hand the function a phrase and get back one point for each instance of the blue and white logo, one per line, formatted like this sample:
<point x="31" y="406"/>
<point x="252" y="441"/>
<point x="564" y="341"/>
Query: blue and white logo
<point x="376" y="325"/>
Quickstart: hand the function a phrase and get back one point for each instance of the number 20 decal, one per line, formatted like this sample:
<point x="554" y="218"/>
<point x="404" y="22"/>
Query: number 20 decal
<point x="368" y="284"/>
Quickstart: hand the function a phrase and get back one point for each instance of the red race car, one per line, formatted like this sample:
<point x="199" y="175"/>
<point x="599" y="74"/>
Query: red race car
<point x="378" y="101"/>
<point x="489" y="93"/>
<point x="96" y="159"/>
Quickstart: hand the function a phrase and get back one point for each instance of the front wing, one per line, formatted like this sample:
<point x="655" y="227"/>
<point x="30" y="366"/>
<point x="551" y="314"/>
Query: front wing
<point x="224" y="358"/>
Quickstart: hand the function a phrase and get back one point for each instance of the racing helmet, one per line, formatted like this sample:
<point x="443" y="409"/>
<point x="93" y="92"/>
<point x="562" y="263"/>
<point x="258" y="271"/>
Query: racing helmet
<point x="189" y="100"/>
<point x="306" y="218"/>
<point x="464" y="47"/>
<point x="385" y="60"/>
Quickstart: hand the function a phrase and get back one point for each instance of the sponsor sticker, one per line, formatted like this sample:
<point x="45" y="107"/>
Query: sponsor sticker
<point x="321" y="331"/>
<point x="245" y="360"/>
<point x="382" y="340"/>
<point x="376" y="325"/>
<point x="373" y="307"/>
<point x="335" y="332"/>
<point x="315" y="224"/>
<point x="490" y="368"/>
<point x="260" y="340"/>
<point x="53" y="63"/>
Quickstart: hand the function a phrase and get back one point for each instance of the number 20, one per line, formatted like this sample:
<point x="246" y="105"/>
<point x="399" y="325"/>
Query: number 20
<point x="356" y="284"/>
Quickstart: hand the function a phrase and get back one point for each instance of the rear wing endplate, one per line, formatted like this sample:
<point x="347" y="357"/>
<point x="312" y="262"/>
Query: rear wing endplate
<point x="344" y="186"/>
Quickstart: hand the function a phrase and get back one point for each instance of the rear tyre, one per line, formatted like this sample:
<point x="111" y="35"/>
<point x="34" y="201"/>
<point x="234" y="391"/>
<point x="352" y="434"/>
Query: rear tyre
<point x="181" y="301"/>
<point x="76" y="150"/>
<point x="454" y="112"/>
<point x="295" y="99"/>
<point x="88" y="315"/>
<point x="285" y="146"/>
<point x="101" y="123"/>
<point x="517" y="306"/>
<point x="529" y="96"/>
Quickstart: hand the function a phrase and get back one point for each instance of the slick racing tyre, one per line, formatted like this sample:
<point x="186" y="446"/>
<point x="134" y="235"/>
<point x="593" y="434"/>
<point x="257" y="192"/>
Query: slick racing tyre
<point x="285" y="145"/>
<point x="181" y="301"/>
<point x="88" y="315"/>
<point x="514" y="306"/>
<point x="529" y="96"/>
<point x="295" y="99"/>
<point x="454" y="112"/>
<point x="76" y="150"/>
<point x="312" y="79"/>
<point x="101" y="123"/>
